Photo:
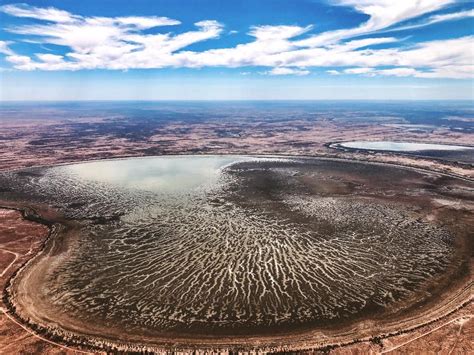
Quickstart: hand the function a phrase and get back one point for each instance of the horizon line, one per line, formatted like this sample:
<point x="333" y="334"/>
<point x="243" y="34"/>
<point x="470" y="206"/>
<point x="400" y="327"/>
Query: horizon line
<point x="229" y="100"/>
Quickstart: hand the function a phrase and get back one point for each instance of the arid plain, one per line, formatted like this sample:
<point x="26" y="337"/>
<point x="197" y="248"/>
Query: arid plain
<point x="58" y="135"/>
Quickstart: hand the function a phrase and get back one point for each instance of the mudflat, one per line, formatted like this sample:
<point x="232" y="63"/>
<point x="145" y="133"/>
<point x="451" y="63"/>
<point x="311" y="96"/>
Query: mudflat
<point x="219" y="252"/>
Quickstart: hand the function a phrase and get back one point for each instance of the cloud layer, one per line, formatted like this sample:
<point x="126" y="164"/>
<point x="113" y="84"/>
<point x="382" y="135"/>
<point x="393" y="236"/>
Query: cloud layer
<point x="122" y="43"/>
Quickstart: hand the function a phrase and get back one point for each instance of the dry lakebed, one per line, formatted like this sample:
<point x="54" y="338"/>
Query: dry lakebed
<point x="239" y="252"/>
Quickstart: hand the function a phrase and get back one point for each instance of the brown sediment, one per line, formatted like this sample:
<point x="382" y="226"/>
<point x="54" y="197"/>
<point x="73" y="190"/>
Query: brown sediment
<point x="20" y="240"/>
<point x="450" y="300"/>
<point x="456" y="307"/>
<point x="93" y="138"/>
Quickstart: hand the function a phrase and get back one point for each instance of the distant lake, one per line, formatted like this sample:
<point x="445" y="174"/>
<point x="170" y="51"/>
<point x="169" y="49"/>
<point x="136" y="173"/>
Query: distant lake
<point x="402" y="146"/>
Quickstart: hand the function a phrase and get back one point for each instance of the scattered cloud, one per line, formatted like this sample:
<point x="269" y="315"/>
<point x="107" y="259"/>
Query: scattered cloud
<point x="382" y="14"/>
<point x="451" y="16"/>
<point x="4" y="49"/>
<point x="359" y="71"/>
<point x="435" y="19"/>
<point x="19" y="60"/>
<point x="265" y="33"/>
<point x="400" y="72"/>
<point x="122" y="43"/>
<point x="288" y="71"/>
<point x="46" y="14"/>
<point x="50" y="58"/>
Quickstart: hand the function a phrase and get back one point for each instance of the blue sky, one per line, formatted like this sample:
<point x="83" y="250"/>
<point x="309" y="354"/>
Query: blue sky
<point x="240" y="49"/>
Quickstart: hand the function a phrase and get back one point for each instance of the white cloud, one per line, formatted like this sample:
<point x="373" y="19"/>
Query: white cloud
<point x="382" y="14"/>
<point x="50" y="58"/>
<point x="366" y="42"/>
<point x="4" y="49"/>
<point x="264" y="33"/>
<point x="359" y="70"/>
<point x="398" y="72"/>
<point x="145" y="22"/>
<point x="21" y="61"/>
<point x="288" y="71"/>
<point x="441" y="53"/>
<point x="436" y="19"/>
<point x="46" y="14"/>
<point x="119" y="43"/>
<point x="453" y="72"/>
<point x="451" y="16"/>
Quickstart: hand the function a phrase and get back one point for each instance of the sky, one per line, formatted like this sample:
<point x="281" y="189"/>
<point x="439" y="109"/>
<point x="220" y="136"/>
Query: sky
<point x="237" y="50"/>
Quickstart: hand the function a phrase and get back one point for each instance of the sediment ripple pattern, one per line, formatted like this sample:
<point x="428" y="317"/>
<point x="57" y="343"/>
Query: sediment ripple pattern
<point x="200" y="260"/>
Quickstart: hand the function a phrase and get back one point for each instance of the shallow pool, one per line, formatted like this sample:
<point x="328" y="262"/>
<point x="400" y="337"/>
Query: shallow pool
<point x="402" y="146"/>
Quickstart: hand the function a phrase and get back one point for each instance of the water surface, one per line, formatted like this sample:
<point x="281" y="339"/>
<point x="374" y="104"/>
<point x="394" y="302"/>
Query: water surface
<point x="402" y="146"/>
